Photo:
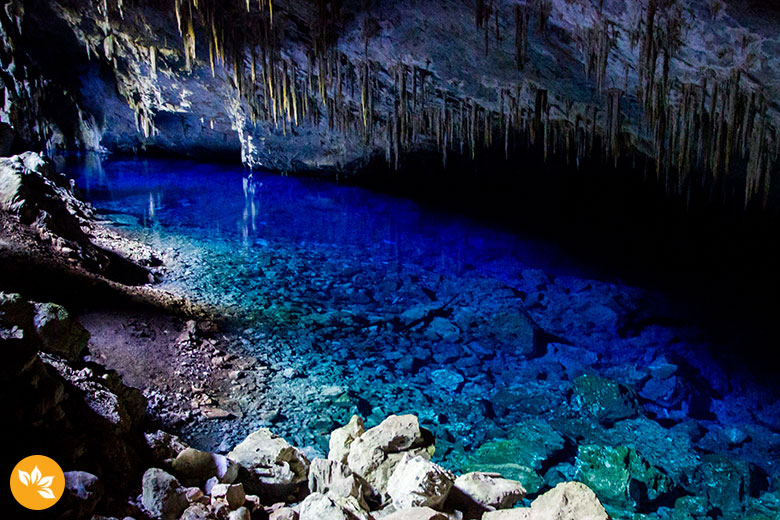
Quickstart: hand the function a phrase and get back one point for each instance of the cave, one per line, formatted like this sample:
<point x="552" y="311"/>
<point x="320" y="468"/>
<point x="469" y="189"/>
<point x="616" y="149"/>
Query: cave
<point x="413" y="260"/>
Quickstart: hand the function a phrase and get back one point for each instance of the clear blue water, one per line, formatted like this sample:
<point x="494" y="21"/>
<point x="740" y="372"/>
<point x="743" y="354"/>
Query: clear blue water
<point x="379" y="305"/>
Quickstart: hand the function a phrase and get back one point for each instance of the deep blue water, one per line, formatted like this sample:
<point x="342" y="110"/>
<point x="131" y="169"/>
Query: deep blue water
<point x="380" y="305"/>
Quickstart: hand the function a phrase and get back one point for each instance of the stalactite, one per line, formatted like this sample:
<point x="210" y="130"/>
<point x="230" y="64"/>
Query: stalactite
<point x="521" y="35"/>
<point x="613" y="122"/>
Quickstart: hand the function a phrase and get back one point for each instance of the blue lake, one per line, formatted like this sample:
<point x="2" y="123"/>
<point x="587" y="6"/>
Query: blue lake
<point x="505" y="348"/>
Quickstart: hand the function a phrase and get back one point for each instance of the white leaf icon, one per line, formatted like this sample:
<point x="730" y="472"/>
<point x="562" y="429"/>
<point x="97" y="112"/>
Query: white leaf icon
<point x="35" y="476"/>
<point x="45" y="482"/>
<point x="24" y="477"/>
<point x="46" y="493"/>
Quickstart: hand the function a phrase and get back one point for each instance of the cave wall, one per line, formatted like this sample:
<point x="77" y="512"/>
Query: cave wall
<point x="300" y="85"/>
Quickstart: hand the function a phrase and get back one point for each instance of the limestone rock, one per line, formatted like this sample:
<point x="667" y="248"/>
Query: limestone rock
<point x="277" y="468"/>
<point x="58" y="333"/>
<point x="375" y="454"/>
<point x="241" y="513"/>
<point x="162" y="494"/>
<point x="197" y="512"/>
<point x="193" y="467"/>
<point x="323" y="507"/>
<point x="233" y="494"/>
<point x="723" y="481"/>
<point x="417" y="513"/>
<point x="566" y="501"/>
<point x="83" y="492"/>
<point x="341" y="439"/>
<point x="334" y="478"/>
<point x="519" y="457"/>
<point x="620" y="475"/>
<point x="418" y="482"/>
<point x="490" y="490"/>
<point x="603" y="399"/>
<point x="283" y="513"/>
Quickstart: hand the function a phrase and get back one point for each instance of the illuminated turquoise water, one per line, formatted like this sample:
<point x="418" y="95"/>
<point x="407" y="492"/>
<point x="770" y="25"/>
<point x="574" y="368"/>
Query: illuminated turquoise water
<point x="369" y="304"/>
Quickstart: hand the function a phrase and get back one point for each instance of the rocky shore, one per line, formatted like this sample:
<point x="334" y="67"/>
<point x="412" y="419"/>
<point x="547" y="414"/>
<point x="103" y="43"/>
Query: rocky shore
<point x="81" y="414"/>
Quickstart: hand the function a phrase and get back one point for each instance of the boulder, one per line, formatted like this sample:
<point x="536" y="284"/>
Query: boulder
<point x="31" y="188"/>
<point x="275" y="469"/>
<point x="341" y="439"/>
<point x="323" y="507"/>
<point x="418" y="482"/>
<point x="336" y="479"/>
<point x="83" y="492"/>
<point x="193" y="467"/>
<point x="521" y="456"/>
<point x="603" y="399"/>
<point x="58" y="333"/>
<point x="566" y="501"/>
<point x="283" y="513"/>
<point x="375" y="454"/>
<point x="241" y="513"/>
<point x="480" y="492"/>
<point x="724" y="482"/>
<point x="197" y="512"/>
<point x="162" y="494"/>
<point x="417" y="513"/>
<point x="232" y="494"/>
<point x="620" y="475"/>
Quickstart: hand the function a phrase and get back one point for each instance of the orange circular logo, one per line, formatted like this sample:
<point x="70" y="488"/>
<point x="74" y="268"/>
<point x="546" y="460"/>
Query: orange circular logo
<point x="37" y="482"/>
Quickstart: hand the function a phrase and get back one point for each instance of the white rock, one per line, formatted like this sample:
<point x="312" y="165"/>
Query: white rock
<point x="375" y="454"/>
<point x="271" y="458"/>
<point x="323" y="507"/>
<point x="241" y="513"/>
<point x="336" y="479"/>
<point x="417" y="513"/>
<point x="233" y="494"/>
<point x="566" y="501"/>
<point x="341" y="439"/>
<point x="418" y="482"/>
<point x="490" y="490"/>
<point x="162" y="494"/>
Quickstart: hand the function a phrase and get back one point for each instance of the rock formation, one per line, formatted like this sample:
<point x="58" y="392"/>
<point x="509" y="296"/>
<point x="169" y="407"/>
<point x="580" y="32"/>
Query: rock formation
<point x="683" y="90"/>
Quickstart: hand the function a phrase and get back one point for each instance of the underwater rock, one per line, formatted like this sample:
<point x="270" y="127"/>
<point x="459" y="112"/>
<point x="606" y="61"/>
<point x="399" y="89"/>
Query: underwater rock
<point x="724" y="482"/>
<point x="620" y="475"/>
<point x="519" y="457"/>
<point x="417" y="482"/>
<point x="603" y="399"/>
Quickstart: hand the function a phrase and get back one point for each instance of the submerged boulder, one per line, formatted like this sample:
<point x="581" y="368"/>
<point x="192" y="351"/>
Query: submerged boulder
<point x="603" y="399"/>
<point x="620" y="475"/>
